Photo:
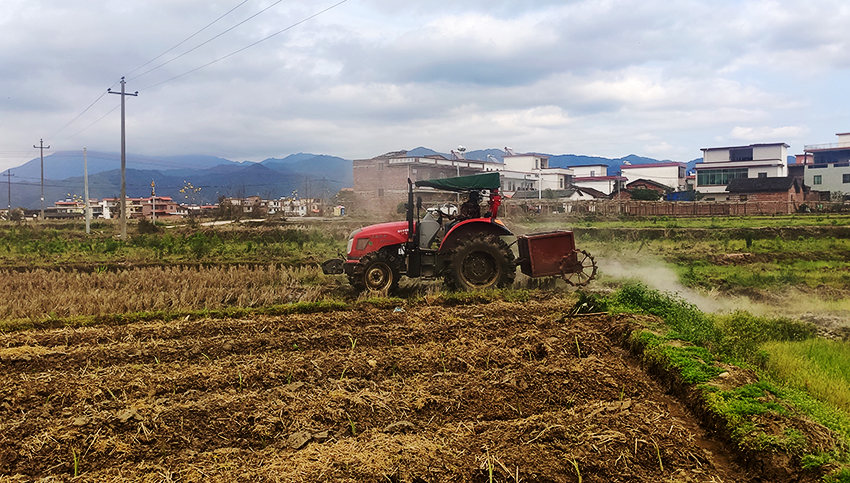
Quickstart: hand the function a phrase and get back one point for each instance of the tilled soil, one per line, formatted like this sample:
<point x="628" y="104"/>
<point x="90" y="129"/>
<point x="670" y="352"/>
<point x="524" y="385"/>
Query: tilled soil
<point x="490" y="392"/>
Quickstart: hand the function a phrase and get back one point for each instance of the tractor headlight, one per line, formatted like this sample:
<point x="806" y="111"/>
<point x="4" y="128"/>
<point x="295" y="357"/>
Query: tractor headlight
<point x="351" y="240"/>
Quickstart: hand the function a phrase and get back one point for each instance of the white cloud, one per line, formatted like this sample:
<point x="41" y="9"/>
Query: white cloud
<point x="592" y="77"/>
<point x="766" y="134"/>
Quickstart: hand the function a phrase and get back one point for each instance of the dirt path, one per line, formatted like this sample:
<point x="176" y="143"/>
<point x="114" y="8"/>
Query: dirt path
<point x="429" y="394"/>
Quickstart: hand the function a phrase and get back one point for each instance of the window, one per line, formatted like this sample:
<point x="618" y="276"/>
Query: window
<point x="818" y="179"/>
<point x="762" y="175"/>
<point x="743" y="198"/>
<point x="380" y="192"/>
<point x="719" y="177"/>
<point x="592" y="173"/>
<point x="745" y="154"/>
<point x="845" y="178"/>
<point x="380" y="166"/>
<point x="561" y="182"/>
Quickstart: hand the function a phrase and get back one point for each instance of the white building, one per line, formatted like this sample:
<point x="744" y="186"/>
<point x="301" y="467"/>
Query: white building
<point x="589" y="170"/>
<point x="670" y="174"/>
<point x="721" y="165"/>
<point x="595" y="176"/>
<point x="829" y="169"/>
<point x="523" y="172"/>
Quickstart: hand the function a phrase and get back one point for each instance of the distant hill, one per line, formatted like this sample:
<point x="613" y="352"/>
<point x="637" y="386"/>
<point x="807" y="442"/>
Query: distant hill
<point x="311" y="175"/>
<point x="67" y="164"/>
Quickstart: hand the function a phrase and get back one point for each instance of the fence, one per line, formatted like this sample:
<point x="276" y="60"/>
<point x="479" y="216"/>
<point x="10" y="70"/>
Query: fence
<point x="607" y="208"/>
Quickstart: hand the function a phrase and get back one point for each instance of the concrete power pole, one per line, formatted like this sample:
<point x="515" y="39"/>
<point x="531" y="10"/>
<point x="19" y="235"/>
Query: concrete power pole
<point x="8" y="176"/>
<point x="41" y="148"/>
<point x="123" y="161"/>
<point x="86" y="190"/>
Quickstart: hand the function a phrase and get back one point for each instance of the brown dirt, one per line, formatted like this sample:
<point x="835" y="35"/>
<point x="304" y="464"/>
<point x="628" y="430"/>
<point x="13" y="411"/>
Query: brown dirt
<point x="428" y="394"/>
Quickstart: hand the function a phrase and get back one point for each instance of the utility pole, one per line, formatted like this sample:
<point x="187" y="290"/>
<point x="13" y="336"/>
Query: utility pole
<point x="123" y="161"/>
<point x="8" y="176"/>
<point x="153" y="202"/>
<point x="41" y="148"/>
<point x="86" y="190"/>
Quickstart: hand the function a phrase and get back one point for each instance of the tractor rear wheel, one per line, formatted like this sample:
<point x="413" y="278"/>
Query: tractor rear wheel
<point x="479" y="263"/>
<point x="582" y="272"/>
<point x="376" y="272"/>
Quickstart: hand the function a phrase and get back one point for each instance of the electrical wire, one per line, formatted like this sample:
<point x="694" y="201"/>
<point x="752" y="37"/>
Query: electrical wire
<point x="92" y="124"/>
<point x="66" y="125"/>
<point x="80" y="114"/>
<point x="187" y="38"/>
<point x="206" y="41"/>
<point x="249" y="45"/>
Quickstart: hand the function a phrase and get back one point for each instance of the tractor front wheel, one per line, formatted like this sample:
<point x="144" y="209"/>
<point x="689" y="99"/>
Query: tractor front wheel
<point x="479" y="263"/>
<point x="376" y="272"/>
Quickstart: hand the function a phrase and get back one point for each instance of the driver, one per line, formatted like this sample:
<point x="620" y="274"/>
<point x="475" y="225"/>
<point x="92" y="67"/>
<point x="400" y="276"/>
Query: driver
<point x="469" y="209"/>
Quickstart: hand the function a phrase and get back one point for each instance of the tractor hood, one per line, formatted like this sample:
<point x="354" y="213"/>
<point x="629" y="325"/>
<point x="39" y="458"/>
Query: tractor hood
<point x="395" y="229"/>
<point x="375" y="237"/>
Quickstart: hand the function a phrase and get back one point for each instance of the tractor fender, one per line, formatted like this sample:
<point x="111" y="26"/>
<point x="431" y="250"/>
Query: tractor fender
<point x="469" y="228"/>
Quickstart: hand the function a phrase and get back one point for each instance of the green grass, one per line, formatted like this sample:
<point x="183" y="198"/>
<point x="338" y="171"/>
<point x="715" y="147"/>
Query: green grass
<point x="41" y="245"/>
<point x="802" y="376"/>
<point x="820" y="367"/>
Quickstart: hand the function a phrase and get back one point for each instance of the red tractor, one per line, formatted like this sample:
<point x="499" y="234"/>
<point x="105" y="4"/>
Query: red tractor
<point x="469" y="254"/>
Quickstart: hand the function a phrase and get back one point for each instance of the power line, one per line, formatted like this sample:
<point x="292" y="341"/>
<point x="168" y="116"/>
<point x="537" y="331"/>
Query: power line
<point x="187" y="38"/>
<point x="249" y="45"/>
<point x="66" y="125"/>
<point x="206" y="42"/>
<point x="79" y="115"/>
<point x="95" y="122"/>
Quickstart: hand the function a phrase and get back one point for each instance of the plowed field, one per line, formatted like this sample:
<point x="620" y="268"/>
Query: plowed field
<point x="490" y="392"/>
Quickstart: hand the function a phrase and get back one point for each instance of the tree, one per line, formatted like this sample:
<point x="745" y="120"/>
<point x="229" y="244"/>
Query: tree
<point x="643" y="194"/>
<point x="16" y="215"/>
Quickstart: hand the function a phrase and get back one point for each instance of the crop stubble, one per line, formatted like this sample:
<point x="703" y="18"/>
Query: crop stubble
<point x="428" y="394"/>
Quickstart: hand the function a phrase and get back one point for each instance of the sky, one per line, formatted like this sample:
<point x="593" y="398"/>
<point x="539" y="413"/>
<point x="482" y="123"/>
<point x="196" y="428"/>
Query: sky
<point x="255" y="79"/>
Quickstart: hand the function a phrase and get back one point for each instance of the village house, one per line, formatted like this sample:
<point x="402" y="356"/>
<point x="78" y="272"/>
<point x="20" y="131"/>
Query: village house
<point x="787" y="189"/>
<point x="827" y="167"/>
<point x="669" y="174"/>
<point x="720" y="166"/>
<point x="595" y="176"/>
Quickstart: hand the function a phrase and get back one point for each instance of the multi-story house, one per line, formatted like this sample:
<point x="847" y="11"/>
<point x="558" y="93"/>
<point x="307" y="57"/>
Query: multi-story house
<point x="380" y="183"/>
<point x="828" y="166"/>
<point x="669" y="174"/>
<point x="719" y="166"/>
<point x="595" y="176"/>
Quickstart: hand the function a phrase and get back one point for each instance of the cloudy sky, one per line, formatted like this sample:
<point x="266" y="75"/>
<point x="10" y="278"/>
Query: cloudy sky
<point x="252" y="79"/>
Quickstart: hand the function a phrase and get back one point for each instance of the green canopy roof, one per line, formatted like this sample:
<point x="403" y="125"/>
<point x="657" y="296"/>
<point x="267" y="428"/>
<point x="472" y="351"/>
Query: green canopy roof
<point x="484" y="181"/>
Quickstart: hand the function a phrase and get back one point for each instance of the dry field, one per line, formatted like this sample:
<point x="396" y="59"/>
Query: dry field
<point x="507" y="392"/>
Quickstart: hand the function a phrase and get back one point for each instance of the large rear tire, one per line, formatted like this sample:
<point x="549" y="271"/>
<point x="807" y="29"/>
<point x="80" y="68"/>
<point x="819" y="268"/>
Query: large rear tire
<point x="376" y="272"/>
<point x="479" y="263"/>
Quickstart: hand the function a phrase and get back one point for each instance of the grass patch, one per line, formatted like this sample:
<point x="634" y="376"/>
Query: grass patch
<point x="804" y="378"/>
<point x="818" y="366"/>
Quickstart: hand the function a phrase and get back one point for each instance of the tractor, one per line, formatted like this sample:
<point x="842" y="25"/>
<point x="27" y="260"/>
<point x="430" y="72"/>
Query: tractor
<point x="469" y="254"/>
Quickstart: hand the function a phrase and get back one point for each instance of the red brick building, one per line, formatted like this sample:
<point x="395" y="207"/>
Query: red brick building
<point x="788" y="189"/>
<point x="380" y="183"/>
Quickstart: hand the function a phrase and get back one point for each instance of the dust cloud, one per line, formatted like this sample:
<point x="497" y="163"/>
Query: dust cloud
<point x="659" y="275"/>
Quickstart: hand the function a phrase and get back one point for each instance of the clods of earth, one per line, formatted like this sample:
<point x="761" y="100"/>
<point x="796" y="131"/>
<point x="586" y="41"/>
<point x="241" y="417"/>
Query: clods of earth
<point x="500" y="391"/>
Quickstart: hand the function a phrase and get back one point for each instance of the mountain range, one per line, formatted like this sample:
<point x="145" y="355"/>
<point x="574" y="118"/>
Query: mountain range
<point x="308" y="175"/>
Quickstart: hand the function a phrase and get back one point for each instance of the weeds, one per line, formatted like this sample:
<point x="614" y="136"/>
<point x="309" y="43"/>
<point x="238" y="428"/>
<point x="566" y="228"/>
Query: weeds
<point x="802" y="365"/>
